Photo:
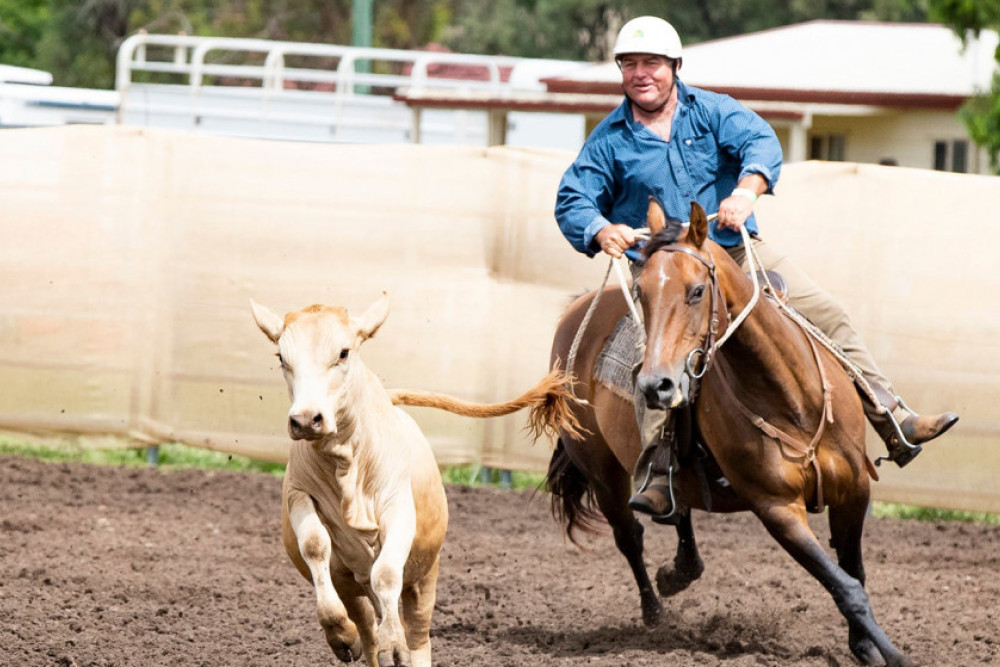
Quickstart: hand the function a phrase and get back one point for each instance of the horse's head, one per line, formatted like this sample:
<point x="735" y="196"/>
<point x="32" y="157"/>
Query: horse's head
<point x="677" y="290"/>
<point x="317" y="349"/>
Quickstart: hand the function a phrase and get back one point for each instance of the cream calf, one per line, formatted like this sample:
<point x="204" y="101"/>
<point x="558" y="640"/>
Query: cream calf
<point x="363" y="511"/>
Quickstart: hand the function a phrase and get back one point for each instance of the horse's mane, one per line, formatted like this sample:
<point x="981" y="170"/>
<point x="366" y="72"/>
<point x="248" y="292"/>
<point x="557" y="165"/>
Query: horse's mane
<point x="666" y="236"/>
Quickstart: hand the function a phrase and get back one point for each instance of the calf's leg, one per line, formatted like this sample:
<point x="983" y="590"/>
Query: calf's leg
<point x="398" y="527"/>
<point x="315" y="548"/>
<point x="418" y="605"/>
<point x="360" y="610"/>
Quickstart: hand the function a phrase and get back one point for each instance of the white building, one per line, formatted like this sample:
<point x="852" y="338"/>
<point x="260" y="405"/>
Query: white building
<point x="843" y="90"/>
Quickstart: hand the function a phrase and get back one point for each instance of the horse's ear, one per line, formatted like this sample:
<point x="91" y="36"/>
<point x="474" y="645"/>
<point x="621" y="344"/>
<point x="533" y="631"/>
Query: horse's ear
<point x="656" y="217"/>
<point x="372" y="319"/>
<point x="698" y="231"/>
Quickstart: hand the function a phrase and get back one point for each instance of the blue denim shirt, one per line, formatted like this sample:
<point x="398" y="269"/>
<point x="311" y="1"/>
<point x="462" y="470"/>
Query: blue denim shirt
<point x="714" y="142"/>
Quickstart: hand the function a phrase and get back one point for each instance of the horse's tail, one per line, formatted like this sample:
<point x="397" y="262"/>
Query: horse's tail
<point x="550" y="401"/>
<point x="573" y="501"/>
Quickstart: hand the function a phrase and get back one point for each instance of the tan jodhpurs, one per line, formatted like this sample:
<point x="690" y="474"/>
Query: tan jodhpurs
<point x="818" y="306"/>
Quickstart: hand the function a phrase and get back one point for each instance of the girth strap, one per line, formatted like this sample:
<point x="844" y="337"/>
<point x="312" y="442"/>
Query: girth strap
<point x="770" y="430"/>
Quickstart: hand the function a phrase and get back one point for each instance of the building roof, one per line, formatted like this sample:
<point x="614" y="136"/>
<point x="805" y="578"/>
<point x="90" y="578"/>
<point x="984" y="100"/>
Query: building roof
<point x="845" y="62"/>
<point x="13" y="74"/>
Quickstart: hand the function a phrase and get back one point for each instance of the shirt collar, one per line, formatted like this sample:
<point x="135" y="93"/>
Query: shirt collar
<point x="623" y="114"/>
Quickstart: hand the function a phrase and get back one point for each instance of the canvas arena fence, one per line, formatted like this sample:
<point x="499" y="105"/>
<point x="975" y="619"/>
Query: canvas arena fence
<point x="129" y="258"/>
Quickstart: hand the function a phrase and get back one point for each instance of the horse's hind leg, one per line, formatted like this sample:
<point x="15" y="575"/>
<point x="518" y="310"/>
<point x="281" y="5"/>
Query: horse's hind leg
<point x="846" y="526"/>
<point x="788" y="526"/>
<point x="688" y="565"/>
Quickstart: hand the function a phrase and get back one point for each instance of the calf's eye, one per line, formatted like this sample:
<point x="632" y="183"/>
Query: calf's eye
<point x="344" y="353"/>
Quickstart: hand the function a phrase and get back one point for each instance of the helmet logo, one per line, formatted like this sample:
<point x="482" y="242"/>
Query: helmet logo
<point x="638" y="33"/>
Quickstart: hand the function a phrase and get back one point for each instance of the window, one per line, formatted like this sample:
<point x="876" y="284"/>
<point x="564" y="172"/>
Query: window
<point x="827" y="147"/>
<point x="952" y="155"/>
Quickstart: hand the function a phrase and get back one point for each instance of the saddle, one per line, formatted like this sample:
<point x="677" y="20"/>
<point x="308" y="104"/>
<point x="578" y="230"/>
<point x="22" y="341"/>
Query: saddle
<point x="776" y="281"/>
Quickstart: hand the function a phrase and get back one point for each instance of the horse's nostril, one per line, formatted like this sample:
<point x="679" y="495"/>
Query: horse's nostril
<point x="657" y="391"/>
<point x="665" y="388"/>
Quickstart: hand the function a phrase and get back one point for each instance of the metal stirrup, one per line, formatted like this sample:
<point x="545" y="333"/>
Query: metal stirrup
<point x="911" y="448"/>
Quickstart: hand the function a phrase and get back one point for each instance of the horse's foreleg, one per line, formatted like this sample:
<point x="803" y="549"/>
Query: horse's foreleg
<point x="846" y="526"/>
<point x="687" y="562"/>
<point x="788" y="526"/>
<point x="612" y="498"/>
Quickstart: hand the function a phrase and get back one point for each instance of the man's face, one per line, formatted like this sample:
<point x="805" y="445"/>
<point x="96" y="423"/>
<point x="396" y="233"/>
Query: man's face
<point x="648" y="79"/>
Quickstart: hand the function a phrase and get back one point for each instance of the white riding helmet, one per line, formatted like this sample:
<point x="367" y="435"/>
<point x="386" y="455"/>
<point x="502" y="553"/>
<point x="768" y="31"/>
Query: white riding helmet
<point x="648" y="34"/>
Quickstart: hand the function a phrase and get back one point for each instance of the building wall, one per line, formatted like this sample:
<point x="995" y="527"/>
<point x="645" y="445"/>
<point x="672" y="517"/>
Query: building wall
<point x="906" y="137"/>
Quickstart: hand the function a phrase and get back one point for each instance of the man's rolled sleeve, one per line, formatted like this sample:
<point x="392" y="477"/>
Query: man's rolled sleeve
<point x="763" y="171"/>
<point x="591" y="231"/>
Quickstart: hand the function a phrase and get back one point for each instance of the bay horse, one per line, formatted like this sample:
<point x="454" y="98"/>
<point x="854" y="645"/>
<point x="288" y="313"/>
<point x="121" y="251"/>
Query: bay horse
<point x="780" y="415"/>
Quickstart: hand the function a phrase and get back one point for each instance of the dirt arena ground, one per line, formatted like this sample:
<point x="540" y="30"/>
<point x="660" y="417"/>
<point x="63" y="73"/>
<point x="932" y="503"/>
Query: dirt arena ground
<point x="115" y="566"/>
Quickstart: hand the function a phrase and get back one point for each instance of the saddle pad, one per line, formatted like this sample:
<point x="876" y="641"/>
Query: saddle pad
<point x="615" y="366"/>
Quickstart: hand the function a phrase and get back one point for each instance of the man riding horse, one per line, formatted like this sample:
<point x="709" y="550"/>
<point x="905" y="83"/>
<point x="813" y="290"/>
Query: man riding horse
<point x="679" y="143"/>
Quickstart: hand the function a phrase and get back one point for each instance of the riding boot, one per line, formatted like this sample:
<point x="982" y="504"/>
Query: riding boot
<point x="903" y="430"/>
<point x="656" y="467"/>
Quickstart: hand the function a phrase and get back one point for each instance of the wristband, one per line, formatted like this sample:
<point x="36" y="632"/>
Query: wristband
<point x="745" y="192"/>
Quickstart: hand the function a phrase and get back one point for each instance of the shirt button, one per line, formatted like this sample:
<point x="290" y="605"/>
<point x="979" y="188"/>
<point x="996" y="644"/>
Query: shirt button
<point x="687" y="142"/>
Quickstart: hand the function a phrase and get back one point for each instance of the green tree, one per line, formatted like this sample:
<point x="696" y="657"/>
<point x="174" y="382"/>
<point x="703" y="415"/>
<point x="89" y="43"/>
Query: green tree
<point x="77" y="41"/>
<point x="981" y="114"/>
<point x="21" y="25"/>
<point x="585" y="29"/>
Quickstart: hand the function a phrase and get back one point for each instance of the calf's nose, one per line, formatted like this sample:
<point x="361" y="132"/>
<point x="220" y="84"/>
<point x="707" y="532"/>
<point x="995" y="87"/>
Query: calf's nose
<point x="306" y="425"/>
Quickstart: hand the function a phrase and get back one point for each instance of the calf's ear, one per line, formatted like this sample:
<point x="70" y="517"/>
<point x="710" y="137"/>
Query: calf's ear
<point x="268" y="321"/>
<point x="372" y="319"/>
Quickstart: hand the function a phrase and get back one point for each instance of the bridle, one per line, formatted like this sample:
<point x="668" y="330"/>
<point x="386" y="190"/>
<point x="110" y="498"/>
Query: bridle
<point x="712" y="344"/>
<point x="706" y="352"/>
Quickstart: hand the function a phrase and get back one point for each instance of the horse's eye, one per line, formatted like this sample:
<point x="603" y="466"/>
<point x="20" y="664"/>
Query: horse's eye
<point x="344" y="353"/>
<point x="696" y="294"/>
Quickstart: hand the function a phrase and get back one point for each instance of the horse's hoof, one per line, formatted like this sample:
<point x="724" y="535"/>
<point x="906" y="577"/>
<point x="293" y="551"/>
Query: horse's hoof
<point x="671" y="582"/>
<point x="652" y="612"/>
<point x="867" y="653"/>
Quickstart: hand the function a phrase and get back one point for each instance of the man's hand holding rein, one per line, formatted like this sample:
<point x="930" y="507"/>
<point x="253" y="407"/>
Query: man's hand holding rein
<point x="615" y="239"/>
<point x="737" y="207"/>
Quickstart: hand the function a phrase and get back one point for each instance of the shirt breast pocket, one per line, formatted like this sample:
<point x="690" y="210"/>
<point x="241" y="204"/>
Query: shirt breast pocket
<point x="702" y="156"/>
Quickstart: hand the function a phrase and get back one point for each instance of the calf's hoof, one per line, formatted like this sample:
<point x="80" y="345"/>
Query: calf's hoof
<point x="347" y="647"/>
<point x="396" y="657"/>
